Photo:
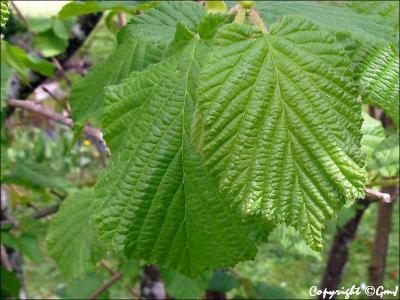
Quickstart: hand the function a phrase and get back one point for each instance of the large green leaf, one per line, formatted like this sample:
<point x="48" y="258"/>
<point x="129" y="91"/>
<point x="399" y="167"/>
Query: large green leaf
<point x="141" y="44"/>
<point x="280" y="124"/>
<point x="377" y="71"/>
<point x="71" y="238"/>
<point x="87" y="96"/>
<point x="363" y="27"/>
<point x="157" y="201"/>
<point x="373" y="135"/>
<point x="389" y="10"/>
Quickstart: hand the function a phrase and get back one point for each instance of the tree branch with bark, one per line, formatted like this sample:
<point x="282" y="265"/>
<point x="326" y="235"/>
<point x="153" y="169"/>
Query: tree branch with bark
<point x="56" y="117"/>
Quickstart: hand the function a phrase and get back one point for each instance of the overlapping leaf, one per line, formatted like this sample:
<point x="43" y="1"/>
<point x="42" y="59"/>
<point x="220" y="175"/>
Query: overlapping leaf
<point x="141" y="44"/>
<point x="71" y="239"/>
<point x="381" y="148"/>
<point x="87" y="96"/>
<point x="157" y="200"/>
<point x="280" y="124"/>
<point x="158" y="25"/>
<point x="363" y="27"/>
<point x="377" y="71"/>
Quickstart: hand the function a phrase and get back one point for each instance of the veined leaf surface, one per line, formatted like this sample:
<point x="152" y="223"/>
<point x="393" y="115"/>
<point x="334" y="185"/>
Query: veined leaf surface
<point x="71" y="238"/>
<point x="362" y="27"/>
<point x="141" y="43"/>
<point x="377" y="71"/>
<point x="279" y="124"/>
<point x="157" y="201"/>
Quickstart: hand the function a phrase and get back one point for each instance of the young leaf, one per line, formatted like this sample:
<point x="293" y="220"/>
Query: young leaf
<point x="156" y="200"/>
<point x="281" y="124"/>
<point x="72" y="238"/>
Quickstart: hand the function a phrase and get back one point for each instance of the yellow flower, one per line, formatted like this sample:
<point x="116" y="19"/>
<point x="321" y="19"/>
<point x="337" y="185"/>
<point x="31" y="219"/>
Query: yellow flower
<point x="87" y="143"/>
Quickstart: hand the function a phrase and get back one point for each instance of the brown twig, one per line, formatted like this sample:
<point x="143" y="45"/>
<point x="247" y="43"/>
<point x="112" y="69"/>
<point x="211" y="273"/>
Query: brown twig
<point x="46" y="212"/>
<point x="371" y="194"/>
<point x="113" y="272"/>
<point x="121" y="19"/>
<point x="62" y="71"/>
<point x="106" y="285"/>
<point x="83" y="28"/>
<point x="376" y="269"/>
<point x="20" y="15"/>
<point x="45" y="112"/>
<point x="255" y="17"/>
<point x="55" y="98"/>
<point x="5" y="261"/>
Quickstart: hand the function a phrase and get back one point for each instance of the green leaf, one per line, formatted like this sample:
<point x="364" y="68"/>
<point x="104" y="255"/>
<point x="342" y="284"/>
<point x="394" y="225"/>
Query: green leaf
<point x="377" y="71"/>
<point x="87" y="96"/>
<point x="223" y="281"/>
<point x="156" y="201"/>
<point x="9" y="280"/>
<point x="182" y="287"/>
<point x="60" y="30"/>
<point x="50" y="44"/>
<point x="367" y="28"/>
<point x="36" y="175"/>
<point x="158" y="24"/>
<point x="389" y="10"/>
<point x="131" y="269"/>
<point x="208" y="25"/>
<point x="26" y="243"/>
<point x="83" y="288"/>
<point x="21" y="62"/>
<point x="279" y="124"/>
<point x="72" y="238"/>
<point x="135" y="52"/>
<point x="77" y="8"/>
<point x="6" y="73"/>
<point x="38" y="25"/>
<point x="385" y="158"/>
<point x="4" y="161"/>
<point x="373" y="135"/>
